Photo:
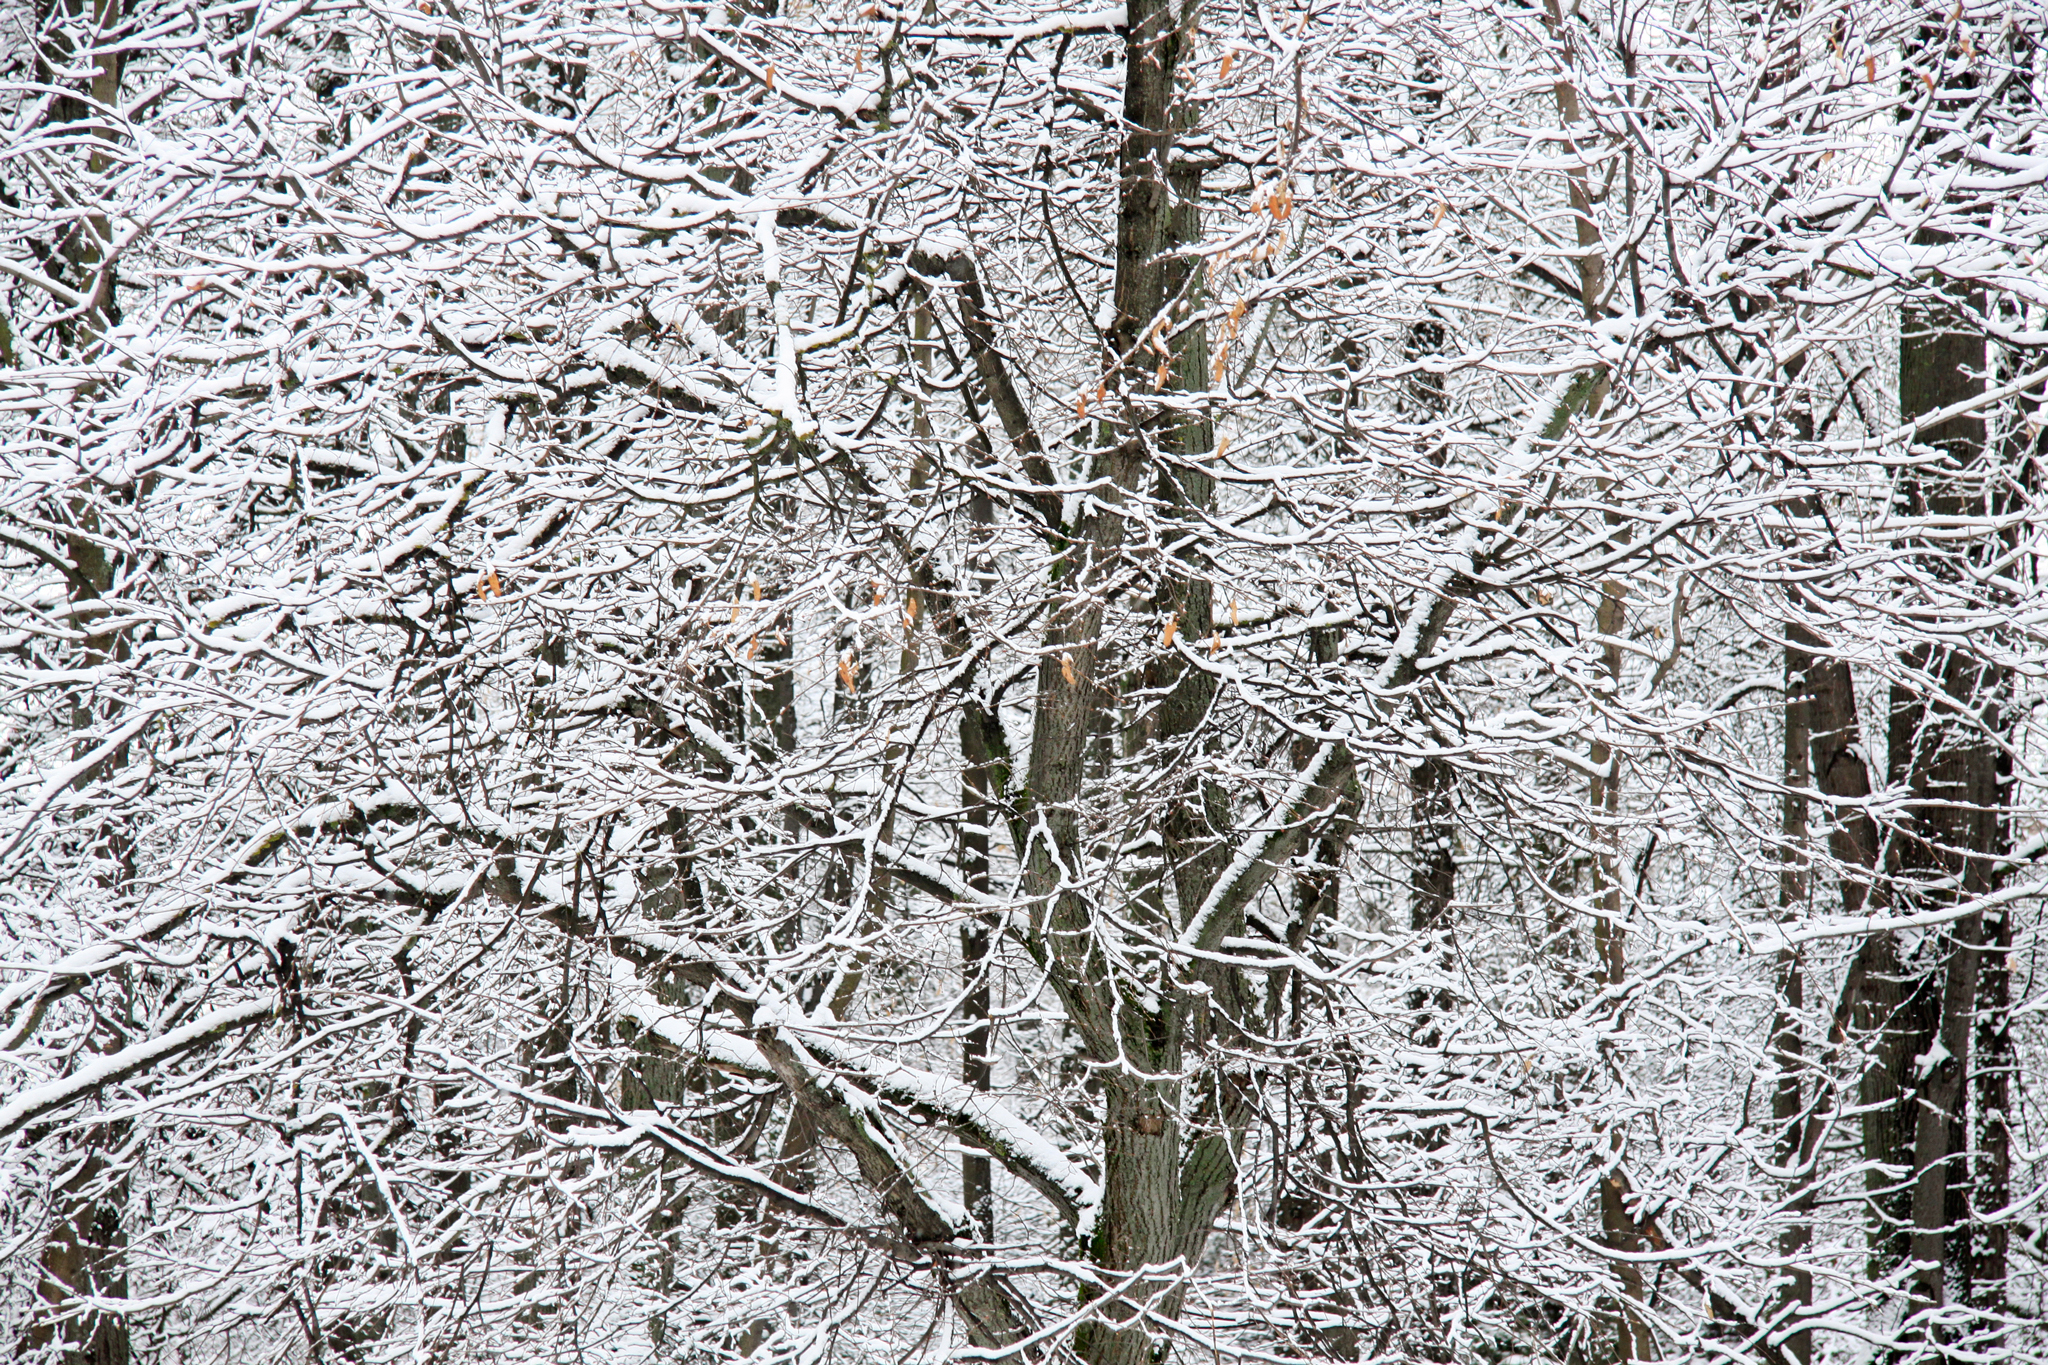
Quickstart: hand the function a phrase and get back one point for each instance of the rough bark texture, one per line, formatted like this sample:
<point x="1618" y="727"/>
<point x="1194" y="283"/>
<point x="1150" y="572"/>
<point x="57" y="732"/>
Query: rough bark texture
<point x="75" y="33"/>
<point x="1169" y="1148"/>
<point x="1788" y="1101"/>
<point x="85" y="1256"/>
<point x="977" y="1176"/>
<point x="1944" y="722"/>
<point x="85" y="1250"/>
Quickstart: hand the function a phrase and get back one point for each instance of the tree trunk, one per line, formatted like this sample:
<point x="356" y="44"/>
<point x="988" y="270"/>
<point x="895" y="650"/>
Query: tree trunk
<point x="977" y="939"/>
<point x="1944" y="756"/>
<point x="85" y="1256"/>
<point x="1619" y="1230"/>
<point x="1788" y="1101"/>
<point x="1156" y="1210"/>
<point x="82" y="255"/>
<point x="1996" y="1066"/>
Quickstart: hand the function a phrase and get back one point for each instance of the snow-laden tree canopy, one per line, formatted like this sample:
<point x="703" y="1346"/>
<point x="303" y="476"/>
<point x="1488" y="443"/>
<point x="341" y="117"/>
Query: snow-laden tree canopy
<point x="801" y="681"/>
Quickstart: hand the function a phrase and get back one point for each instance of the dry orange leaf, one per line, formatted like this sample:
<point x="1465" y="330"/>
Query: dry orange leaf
<point x="487" y="586"/>
<point x="753" y="646"/>
<point x="1223" y="446"/>
<point x="1930" y="82"/>
<point x="1222" y="357"/>
<point x="757" y="590"/>
<point x="1436" y="215"/>
<point x="1081" y="405"/>
<point x="769" y="76"/>
<point x="846" y="673"/>
<point x="1159" y="379"/>
<point x="1215" y="643"/>
<point x="1172" y="628"/>
<point x="1282" y="204"/>
<point x="1223" y="72"/>
<point x="1067" y="668"/>
<point x="1233" y="611"/>
<point x="1870" y="67"/>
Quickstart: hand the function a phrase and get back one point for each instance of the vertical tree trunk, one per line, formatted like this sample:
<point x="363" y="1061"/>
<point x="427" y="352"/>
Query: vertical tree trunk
<point x="1592" y="265"/>
<point x="1432" y="840"/>
<point x="85" y="1256"/>
<point x="82" y="255"/>
<point x="1944" y="755"/>
<point x="1870" y="1007"/>
<point x="1432" y="795"/>
<point x="1610" y="941"/>
<point x="1144" y="1221"/>
<point x="1618" y="1226"/>
<point x="1619" y="1230"/>
<point x="977" y="941"/>
<point x="1304" y="1175"/>
<point x="1433" y="868"/>
<point x="1997" y="1062"/>
<point x="1991" y="1183"/>
<point x="1788" y="1101"/>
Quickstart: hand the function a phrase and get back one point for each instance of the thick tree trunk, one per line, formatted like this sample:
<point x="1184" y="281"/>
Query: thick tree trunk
<point x="1432" y="842"/>
<point x="1997" y="1062"/>
<point x="1788" y="1100"/>
<point x="1875" y="997"/>
<point x="1158" y="1202"/>
<point x="83" y="254"/>
<point x="85" y="1256"/>
<point x="1945" y="718"/>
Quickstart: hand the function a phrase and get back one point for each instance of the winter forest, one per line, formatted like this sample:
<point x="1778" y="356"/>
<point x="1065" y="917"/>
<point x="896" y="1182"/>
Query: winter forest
<point x="854" y="682"/>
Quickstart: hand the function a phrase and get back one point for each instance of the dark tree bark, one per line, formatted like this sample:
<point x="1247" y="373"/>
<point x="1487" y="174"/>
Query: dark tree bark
<point x="977" y="939"/>
<point x="1944" y="743"/>
<point x="85" y="1256"/>
<point x="86" y="1250"/>
<point x="1788" y="1100"/>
